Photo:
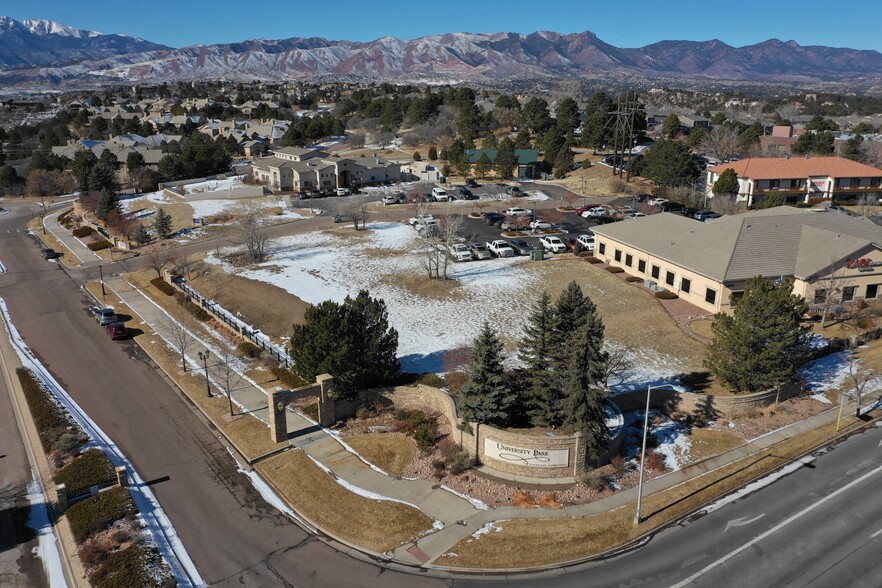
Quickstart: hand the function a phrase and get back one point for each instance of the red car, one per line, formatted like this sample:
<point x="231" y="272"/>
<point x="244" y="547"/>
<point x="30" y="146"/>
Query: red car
<point x="117" y="331"/>
<point x="583" y="209"/>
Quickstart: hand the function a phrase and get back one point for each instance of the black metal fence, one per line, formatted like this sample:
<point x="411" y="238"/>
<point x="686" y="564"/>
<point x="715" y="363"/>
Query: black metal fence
<point x="253" y="335"/>
<point x="92" y="490"/>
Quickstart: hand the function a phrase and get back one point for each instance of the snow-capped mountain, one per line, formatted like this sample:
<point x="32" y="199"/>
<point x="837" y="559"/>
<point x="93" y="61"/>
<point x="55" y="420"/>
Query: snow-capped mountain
<point x="44" y="51"/>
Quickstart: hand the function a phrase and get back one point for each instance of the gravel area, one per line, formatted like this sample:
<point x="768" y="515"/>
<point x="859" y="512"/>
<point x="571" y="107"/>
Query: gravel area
<point x="765" y="420"/>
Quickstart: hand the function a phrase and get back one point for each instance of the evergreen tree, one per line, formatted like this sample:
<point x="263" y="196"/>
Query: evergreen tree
<point x="522" y="140"/>
<point x="142" y="235"/>
<point x="763" y="343"/>
<point x="102" y="178"/>
<point x="9" y="177"/>
<point x="433" y="153"/>
<point x="567" y="113"/>
<point x="351" y="341"/>
<point x="584" y="390"/>
<point x="108" y="202"/>
<point x="506" y="159"/>
<point x="597" y="128"/>
<point x="536" y="351"/>
<point x="670" y="163"/>
<point x="853" y="149"/>
<point x="162" y="224"/>
<point x="727" y="183"/>
<point x="535" y="116"/>
<point x="483" y="166"/>
<point x="486" y="397"/>
<point x="670" y="126"/>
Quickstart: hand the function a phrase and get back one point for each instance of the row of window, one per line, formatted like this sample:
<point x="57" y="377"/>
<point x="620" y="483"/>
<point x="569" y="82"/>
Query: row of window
<point x="848" y="293"/>
<point x="710" y="295"/>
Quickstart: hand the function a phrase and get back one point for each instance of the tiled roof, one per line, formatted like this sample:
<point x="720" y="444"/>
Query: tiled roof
<point x="771" y="168"/>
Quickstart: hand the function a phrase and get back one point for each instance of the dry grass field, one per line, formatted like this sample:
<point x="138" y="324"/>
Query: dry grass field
<point x="390" y="453"/>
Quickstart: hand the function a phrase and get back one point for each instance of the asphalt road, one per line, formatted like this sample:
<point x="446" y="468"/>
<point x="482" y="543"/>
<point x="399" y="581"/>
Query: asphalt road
<point x="817" y="526"/>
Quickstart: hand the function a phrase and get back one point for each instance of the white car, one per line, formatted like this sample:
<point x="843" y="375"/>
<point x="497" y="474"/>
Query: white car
<point x="657" y="201"/>
<point x="395" y="198"/>
<point x="343" y="192"/>
<point x="626" y="210"/>
<point x="540" y="224"/>
<point x="459" y="252"/>
<point x="593" y="212"/>
<point x="634" y="215"/>
<point x="420" y="219"/>
<point x="586" y="241"/>
<point x="553" y="244"/>
<point x="518" y="211"/>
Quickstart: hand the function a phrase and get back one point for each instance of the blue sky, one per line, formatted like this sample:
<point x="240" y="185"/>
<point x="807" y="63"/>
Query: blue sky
<point x="625" y="24"/>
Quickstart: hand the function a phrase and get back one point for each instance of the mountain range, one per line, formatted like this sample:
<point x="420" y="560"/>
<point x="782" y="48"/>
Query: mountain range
<point x="44" y="53"/>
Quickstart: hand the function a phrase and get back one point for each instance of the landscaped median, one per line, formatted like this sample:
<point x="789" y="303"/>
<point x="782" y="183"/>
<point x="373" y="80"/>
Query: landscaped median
<point x="378" y="525"/>
<point x="568" y="539"/>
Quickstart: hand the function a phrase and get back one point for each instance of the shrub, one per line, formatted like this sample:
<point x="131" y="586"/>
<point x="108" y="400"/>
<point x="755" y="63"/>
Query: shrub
<point x="700" y="419"/>
<point x="99" y="245"/>
<point x="432" y="380"/>
<point x="549" y="501"/>
<point x="249" y="349"/>
<point x="133" y="566"/>
<point x="70" y="442"/>
<point x="426" y="434"/>
<point x="51" y="420"/>
<point x="633" y="279"/>
<point x="83" y="232"/>
<point x="618" y="464"/>
<point x="666" y="295"/>
<point x="595" y="480"/>
<point x="163" y="286"/>
<point x="614" y="269"/>
<point x="89" y="469"/>
<point x="194" y="309"/>
<point x="406" y="420"/>
<point x="287" y="377"/>
<point x="656" y="461"/>
<point x="523" y="499"/>
<point x="460" y="462"/>
<point x="99" y="512"/>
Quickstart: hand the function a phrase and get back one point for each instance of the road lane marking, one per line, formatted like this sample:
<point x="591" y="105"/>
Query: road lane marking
<point x="876" y="534"/>
<point x="774" y="529"/>
<point x="742" y="521"/>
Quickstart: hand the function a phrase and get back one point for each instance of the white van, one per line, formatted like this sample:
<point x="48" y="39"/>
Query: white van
<point x="440" y="194"/>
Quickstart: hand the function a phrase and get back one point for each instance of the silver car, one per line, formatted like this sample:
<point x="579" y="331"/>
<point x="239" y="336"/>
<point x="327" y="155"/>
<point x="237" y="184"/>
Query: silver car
<point x="105" y="316"/>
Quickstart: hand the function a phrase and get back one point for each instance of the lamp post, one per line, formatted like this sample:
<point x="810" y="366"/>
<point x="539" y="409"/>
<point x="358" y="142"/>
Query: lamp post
<point x="637" y="518"/>
<point x="204" y="358"/>
<point x="101" y="276"/>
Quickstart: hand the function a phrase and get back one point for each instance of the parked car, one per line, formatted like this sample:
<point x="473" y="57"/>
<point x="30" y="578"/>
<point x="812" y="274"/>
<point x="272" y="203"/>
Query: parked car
<point x="671" y="206"/>
<point x="541" y="225"/>
<point x="459" y="252"/>
<point x="302" y="195"/>
<point x="479" y="251"/>
<point x="394" y="198"/>
<point x="583" y="209"/>
<point x="521" y="247"/>
<point x="429" y="227"/>
<point x="420" y="219"/>
<point x="116" y="330"/>
<point x="494" y="218"/>
<point x="514" y="224"/>
<point x="513" y="191"/>
<point x="105" y="316"/>
<point x="553" y="244"/>
<point x="594" y="212"/>
<point x="471" y="183"/>
<point x="625" y="210"/>
<point x="656" y="201"/>
<point x="465" y="193"/>
<point x="500" y="248"/>
<point x="49" y="253"/>
<point x="586" y="241"/>
<point x="604" y="219"/>
<point x="642" y="197"/>
<point x="569" y="243"/>
<point x="634" y="215"/>
<point x="706" y="215"/>
<point x="440" y="194"/>
<point x="689" y="211"/>
<point x="339" y="218"/>
<point x="343" y="192"/>
<point x="518" y="211"/>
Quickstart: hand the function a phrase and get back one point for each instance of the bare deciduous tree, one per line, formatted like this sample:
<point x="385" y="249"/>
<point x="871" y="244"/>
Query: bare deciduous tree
<point x="356" y="208"/>
<point x="254" y="236"/>
<point x="868" y="204"/>
<point x="175" y="329"/>
<point x="158" y="258"/>
<point x="225" y="375"/>
<point x="859" y="376"/>
<point x="122" y="223"/>
<point x="721" y="142"/>
<point x="356" y="140"/>
<point x="725" y="204"/>
<point x="450" y="231"/>
<point x="830" y="289"/>
<point x="618" y="364"/>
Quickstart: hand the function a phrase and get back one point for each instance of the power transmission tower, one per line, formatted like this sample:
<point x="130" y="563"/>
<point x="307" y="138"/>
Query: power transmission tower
<point x="623" y="133"/>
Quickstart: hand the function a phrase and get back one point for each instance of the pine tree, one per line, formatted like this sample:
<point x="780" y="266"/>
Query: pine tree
<point x="570" y="312"/>
<point x="727" y="183"/>
<point x="485" y="397"/>
<point x="108" y="202"/>
<point x="584" y="390"/>
<point x="162" y="224"/>
<point x="433" y="153"/>
<point x="763" y="343"/>
<point x="483" y="166"/>
<point x="142" y="235"/>
<point x="536" y="352"/>
<point x="506" y="159"/>
<point x="670" y="126"/>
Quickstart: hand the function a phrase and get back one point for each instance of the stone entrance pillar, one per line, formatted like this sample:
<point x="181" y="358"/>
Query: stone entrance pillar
<point x="327" y="413"/>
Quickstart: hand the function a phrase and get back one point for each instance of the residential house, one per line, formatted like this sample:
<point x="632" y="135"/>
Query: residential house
<point x="527" y="165"/>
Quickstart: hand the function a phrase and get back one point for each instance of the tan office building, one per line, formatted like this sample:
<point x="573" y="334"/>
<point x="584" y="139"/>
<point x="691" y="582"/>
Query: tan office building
<point x="825" y="254"/>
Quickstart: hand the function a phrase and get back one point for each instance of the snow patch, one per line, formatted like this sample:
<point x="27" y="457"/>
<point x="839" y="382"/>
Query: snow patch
<point x="47" y="541"/>
<point x="487" y="528"/>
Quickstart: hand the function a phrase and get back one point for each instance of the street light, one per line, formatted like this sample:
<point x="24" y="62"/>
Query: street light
<point x="204" y="357"/>
<point x="101" y="274"/>
<point x="637" y="518"/>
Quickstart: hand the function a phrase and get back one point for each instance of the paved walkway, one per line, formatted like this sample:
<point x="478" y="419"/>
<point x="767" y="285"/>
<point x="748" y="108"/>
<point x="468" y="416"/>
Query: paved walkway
<point x="460" y="518"/>
<point x="76" y="247"/>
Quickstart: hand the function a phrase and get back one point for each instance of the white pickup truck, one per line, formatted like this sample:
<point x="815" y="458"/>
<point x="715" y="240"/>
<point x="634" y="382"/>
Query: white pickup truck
<point x="459" y="252"/>
<point x="500" y="248"/>
<point x="552" y="244"/>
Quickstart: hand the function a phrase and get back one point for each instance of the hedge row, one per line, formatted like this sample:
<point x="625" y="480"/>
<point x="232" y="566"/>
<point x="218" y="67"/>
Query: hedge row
<point x="51" y="420"/>
<point x="97" y="513"/>
<point x="87" y="470"/>
<point x="83" y="232"/>
<point x="665" y="295"/>
<point x="613" y="269"/>
<point x="196" y="310"/>
<point x="163" y="286"/>
<point x="633" y="279"/>
<point x="128" y="567"/>
<point x="287" y="377"/>
<point x="249" y="349"/>
<point x="98" y="245"/>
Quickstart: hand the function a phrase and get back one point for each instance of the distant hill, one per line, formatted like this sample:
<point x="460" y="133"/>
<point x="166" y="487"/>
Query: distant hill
<point x="40" y="50"/>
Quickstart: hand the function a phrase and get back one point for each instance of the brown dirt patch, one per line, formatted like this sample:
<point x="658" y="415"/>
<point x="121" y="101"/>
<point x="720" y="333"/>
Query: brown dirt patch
<point x="709" y="442"/>
<point x="380" y="525"/>
<point x="702" y="328"/>
<point x="391" y="452"/>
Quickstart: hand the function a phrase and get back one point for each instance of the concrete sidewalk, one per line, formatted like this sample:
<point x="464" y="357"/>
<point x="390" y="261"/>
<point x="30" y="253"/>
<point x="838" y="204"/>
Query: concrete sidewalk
<point x="304" y="434"/>
<point x="79" y="250"/>
<point x="459" y="517"/>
